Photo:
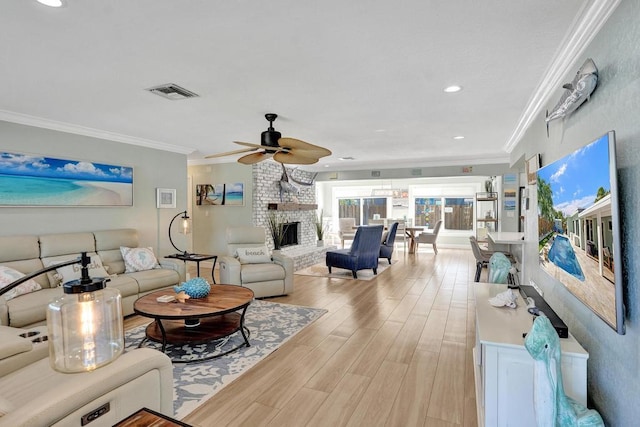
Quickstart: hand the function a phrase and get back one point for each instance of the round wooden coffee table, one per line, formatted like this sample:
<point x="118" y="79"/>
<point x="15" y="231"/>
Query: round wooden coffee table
<point x="197" y="320"/>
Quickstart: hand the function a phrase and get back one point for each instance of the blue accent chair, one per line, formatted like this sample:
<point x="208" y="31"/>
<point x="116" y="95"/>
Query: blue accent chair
<point x="387" y="245"/>
<point x="362" y="254"/>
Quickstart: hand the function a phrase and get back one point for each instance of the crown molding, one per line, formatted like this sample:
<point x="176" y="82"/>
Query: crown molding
<point x="24" y="119"/>
<point x="584" y="29"/>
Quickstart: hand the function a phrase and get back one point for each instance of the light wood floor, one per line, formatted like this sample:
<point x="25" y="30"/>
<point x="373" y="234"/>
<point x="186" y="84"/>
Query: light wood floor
<point x="393" y="351"/>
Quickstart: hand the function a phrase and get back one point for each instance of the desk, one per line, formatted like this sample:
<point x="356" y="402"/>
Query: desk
<point x="509" y="238"/>
<point x="197" y="258"/>
<point x="411" y="234"/>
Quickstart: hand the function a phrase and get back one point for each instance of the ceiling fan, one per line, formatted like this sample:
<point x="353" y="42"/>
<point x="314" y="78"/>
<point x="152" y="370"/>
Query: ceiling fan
<point x="273" y="145"/>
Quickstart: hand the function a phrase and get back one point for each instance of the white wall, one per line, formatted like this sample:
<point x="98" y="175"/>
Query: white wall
<point x="151" y="169"/>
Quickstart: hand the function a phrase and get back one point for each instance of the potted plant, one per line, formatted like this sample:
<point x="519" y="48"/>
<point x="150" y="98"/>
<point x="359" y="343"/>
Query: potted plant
<point x="321" y="229"/>
<point x="275" y="223"/>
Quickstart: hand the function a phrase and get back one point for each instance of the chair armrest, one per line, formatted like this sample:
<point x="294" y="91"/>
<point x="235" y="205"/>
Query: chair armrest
<point x="286" y="263"/>
<point x="229" y="270"/>
<point x="176" y="265"/>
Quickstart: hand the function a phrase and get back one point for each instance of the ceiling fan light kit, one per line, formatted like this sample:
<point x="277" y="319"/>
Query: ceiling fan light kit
<point x="282" y="150"/>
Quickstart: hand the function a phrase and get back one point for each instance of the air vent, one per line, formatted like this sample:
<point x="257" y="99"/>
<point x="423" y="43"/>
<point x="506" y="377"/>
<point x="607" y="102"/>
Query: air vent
<point x="416" y="172"/>
<point x="375" y="174"/>
<point x="172" y="91"/>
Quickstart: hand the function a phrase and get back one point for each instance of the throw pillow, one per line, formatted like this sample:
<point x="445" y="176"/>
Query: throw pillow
<point x="384" y="237"/>
<point x="74" y="271"/>
<point x="9" y="275"/>
<point x="138" y="259"/>
<point x="259" y="255"/>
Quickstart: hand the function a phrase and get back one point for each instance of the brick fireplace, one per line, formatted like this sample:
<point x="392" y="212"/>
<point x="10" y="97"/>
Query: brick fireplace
<point x="266" y="185"/>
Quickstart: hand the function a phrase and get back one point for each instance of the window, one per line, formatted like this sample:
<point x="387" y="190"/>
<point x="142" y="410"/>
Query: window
<point x="457" y="212"/>
<point x="349" y="208"/>
<point x="428" y="211"/>
<point x="374" y="206"/>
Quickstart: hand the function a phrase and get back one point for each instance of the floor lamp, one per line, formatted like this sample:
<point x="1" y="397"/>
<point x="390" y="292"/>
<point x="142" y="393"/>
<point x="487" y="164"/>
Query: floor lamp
<point x="185" y="228"/>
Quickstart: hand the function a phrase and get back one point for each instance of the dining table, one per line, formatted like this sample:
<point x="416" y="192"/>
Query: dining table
<point x="411" y="234"/>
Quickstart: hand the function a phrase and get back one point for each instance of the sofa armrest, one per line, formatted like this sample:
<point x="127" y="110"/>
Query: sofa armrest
<point x="138" y="378"/>
<point x="286" y="263"/>
<point x="176" y="265"/>
<point x="229" y="271"/>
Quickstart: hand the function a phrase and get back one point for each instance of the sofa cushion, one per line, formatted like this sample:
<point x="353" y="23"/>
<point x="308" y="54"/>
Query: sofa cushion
<point x="31" y="308"/>
<point x="15" y="248"/>
<point x="255" y="255"/>
<point x="52" y="245"/>
<point x="5" y="406"/>
<point x="151" y="280"/>
<point x="124" y="283"/>
<point x="138" y="259"/>
<point x="261" y="273"/>
<point x="9" y="275"/>
<point x="108" y="244"/>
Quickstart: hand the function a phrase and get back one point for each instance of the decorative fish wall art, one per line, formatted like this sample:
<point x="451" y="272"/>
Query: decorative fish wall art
<point x="576" y="93"/>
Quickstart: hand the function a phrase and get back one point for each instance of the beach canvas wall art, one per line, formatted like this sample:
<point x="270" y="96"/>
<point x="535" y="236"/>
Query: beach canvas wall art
<point x="220" y="194"/>
<point x="30" y="180"/>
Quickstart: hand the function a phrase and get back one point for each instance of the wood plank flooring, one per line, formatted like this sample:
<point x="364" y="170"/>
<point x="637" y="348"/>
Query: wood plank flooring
<point x="393" y="351"/>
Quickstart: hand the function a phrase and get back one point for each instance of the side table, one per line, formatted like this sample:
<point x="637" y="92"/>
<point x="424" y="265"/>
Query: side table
<point x="197" y="258"/>
<point x="147" y="417"/>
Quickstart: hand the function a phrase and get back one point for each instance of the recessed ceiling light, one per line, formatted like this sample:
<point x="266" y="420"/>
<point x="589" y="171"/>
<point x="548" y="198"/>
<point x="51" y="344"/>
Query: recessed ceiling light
<point x="51" y="3"/>
<point x="347" y="158"/>
<point x="381" y="130"/>
<point x="458" y="137"/>
<point x="453" y="89"/>
<point x="326" y="166"/>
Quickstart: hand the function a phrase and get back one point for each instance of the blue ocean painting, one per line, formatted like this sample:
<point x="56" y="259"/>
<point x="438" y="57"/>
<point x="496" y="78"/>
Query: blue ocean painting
<point x="27" y="180"/>
<point x="235" y="194"/>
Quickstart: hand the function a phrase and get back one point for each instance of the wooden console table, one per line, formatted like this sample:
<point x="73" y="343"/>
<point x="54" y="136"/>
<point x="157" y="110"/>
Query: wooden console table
<point x="504" y="369"/>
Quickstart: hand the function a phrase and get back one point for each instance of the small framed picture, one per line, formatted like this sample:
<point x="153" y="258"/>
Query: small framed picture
<point x="166" y="198"/>
<point x="532" y="166"/>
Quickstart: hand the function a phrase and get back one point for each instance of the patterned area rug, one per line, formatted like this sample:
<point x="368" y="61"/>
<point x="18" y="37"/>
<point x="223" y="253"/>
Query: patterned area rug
<point x="321" y="270"/>
<point x="270" y="324"/>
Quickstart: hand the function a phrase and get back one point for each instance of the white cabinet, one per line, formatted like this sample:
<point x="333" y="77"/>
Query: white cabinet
<point x="504" y="368"/>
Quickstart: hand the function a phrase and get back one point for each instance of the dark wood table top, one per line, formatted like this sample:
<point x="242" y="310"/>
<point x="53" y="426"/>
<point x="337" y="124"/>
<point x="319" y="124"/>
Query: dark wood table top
<point x="222" y="299"/>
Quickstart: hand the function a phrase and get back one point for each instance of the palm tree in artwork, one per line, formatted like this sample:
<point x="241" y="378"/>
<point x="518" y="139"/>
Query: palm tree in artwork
<point x="545" y="200"/>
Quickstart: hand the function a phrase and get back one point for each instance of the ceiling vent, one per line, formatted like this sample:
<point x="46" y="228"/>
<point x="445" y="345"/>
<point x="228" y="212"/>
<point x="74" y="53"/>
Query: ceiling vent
<point x="375" y="174"/>
<point x="172" y="91"/>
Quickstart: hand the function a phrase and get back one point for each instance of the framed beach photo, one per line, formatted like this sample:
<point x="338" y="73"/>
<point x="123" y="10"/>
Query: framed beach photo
<point x="227" y="194"/>
<point x="532" y="166"/>
<point x="166" y="198"/>
<point x="34" y="180"/>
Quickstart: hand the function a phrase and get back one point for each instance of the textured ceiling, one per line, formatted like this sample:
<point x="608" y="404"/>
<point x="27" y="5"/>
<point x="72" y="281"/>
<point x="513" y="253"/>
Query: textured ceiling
<point x="364" y="79"/>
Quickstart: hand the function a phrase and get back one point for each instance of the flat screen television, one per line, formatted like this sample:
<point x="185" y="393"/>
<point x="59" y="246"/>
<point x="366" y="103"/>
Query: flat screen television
<point x="579" y="227"/>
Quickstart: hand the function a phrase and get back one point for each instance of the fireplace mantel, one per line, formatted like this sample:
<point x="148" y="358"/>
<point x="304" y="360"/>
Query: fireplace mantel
<point x="292" y="206"/>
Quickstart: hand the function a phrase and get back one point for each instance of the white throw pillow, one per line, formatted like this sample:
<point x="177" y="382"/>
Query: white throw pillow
<point x="138" y="259"/>
<point x="9" y="275"/>
<point x="74" y="271"/>
<point x="258" y="255"/>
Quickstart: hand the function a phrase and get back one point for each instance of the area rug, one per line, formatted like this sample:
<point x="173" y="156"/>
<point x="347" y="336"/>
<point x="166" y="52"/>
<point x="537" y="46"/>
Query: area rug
<point x="321" y="270"/>
<point x="270" y="324"/>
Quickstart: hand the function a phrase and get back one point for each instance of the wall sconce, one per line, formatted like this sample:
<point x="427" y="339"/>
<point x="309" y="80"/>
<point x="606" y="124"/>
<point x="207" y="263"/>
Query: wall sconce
<point x="185" y="228"/>
<point x="85" y="324"/>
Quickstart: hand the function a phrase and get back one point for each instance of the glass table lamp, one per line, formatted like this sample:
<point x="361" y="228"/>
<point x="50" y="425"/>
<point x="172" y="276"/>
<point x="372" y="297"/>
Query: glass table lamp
<point x="85" y="325"/>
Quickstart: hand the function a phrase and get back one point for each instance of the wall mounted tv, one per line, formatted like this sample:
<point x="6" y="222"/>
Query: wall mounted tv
<point x="579" y="227"/>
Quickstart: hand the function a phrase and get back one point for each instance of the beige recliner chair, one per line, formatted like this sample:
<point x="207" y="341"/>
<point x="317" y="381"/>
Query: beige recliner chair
<point x="265" y="276"/>
<point x="346" y="229"/>
<point x="33" y="394"/>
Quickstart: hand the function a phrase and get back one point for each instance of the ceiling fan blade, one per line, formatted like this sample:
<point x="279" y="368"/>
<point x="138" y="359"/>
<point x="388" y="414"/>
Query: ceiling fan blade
<point x="296" y="144"/>
<point x="253" y="158"/>
<point x="258" y="146"/>
<point x="293" y="159"/>
<point x="229" y="153"/>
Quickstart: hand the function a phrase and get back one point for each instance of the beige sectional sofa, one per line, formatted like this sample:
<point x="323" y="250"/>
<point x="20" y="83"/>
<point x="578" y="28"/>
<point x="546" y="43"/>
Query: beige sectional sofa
<point x="31" y="253"/>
